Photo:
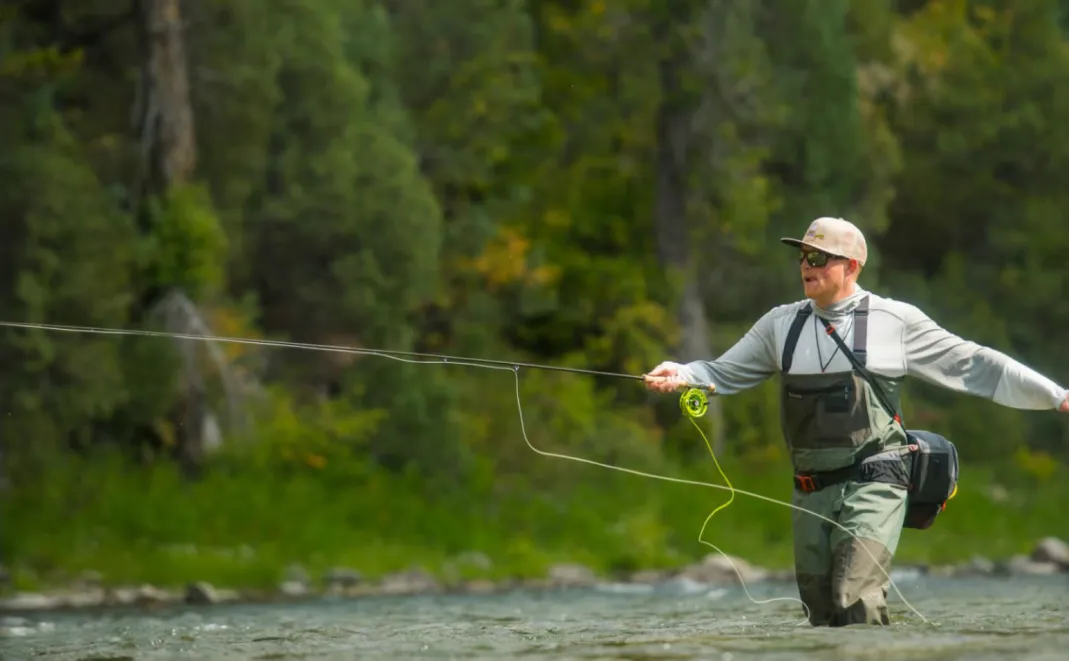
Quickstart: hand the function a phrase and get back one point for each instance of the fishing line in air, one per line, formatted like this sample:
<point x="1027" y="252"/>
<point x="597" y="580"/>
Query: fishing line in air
<point x="693" y="403"/>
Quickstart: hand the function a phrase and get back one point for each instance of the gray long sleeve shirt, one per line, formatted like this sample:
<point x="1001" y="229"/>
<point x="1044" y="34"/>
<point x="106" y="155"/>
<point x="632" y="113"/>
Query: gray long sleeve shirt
<point x="902" y="341"/>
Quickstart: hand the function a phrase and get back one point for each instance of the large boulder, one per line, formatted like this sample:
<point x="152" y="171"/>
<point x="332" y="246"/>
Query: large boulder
<point x="1052" y="550"/>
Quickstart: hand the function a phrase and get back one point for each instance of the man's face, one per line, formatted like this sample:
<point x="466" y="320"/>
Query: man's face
<point x="823" y="275"/>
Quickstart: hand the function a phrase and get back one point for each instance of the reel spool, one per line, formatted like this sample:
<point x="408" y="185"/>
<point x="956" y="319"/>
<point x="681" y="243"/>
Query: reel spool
<point x="694" y="403"/>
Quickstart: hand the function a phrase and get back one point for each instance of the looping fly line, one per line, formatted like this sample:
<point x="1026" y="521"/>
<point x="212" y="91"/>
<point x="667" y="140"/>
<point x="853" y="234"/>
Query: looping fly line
<point x="693" y="402"/>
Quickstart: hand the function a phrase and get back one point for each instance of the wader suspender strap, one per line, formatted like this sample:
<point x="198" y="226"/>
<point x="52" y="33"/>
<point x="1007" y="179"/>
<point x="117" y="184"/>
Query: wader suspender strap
<point x="861" y="330"/>
<point x="792" y="337"/>
<point x="861" y="333"/>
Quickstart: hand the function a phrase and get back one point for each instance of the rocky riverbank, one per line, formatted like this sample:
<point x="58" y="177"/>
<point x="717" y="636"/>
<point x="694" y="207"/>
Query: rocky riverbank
<point x="1049" y="556"/>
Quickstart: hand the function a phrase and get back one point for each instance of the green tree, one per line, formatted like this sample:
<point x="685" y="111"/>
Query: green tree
<point x="67" y="259"/>
<point x="976" y="106"/>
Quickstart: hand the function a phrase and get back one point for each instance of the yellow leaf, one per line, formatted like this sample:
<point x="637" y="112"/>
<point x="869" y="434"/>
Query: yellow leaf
<point x="543" y="275"/>
<point x="504" y="260"/>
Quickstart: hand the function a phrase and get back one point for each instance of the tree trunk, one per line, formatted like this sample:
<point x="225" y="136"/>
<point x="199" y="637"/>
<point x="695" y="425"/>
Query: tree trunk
<point x="167" y="131"/>
<point x="673" y="134"/>
<point x="168" y="144"/>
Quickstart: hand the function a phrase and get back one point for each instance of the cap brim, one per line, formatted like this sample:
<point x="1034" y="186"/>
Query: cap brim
<point x="798" y="243"/>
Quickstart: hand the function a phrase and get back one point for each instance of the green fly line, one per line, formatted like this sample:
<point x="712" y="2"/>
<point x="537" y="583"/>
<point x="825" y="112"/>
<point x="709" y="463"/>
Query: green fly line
<point x="693" y="403"/>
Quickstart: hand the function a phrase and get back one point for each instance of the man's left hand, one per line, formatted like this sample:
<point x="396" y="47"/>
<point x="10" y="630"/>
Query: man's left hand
<point x="1064" y="408"/>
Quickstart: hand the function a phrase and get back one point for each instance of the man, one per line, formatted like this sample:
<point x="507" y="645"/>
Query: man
<point x="843" y="443"/>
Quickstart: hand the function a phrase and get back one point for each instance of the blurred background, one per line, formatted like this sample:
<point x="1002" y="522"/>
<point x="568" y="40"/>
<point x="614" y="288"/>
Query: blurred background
<point x="582" y="183"/>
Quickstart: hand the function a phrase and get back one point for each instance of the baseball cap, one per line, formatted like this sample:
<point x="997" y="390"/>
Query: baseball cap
<point x="835" y="236"/>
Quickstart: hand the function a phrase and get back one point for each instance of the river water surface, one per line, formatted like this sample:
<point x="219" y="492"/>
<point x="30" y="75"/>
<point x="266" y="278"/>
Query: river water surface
<point x="1024" y="619"/>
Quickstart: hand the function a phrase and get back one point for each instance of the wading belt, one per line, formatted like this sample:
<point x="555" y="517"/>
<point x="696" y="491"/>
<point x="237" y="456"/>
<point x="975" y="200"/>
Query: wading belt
<point x="817" y="481"/>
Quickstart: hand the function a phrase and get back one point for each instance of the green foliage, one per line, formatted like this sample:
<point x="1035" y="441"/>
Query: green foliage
<point x="282" y="441"/>
<point x="346" y="230"/>
<point x="185" y="244"/>
<point x="821" y="146"/>
<point x="244" y="527"/>
<point x="978" y="104"/>
<point x="68" y="253"/>
<point x="233" y="96"/>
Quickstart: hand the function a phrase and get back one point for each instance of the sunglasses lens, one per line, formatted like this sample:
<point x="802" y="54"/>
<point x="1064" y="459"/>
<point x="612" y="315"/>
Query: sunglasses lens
<point x="815" y="259"/>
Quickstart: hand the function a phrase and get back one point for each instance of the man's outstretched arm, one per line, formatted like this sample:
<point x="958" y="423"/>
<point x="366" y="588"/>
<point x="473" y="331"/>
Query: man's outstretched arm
<point x="944" y="359"/>
<point x="749" y="362"/>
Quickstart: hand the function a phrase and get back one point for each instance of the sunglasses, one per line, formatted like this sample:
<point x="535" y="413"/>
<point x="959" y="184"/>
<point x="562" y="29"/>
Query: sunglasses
<point x="817" y="259"/>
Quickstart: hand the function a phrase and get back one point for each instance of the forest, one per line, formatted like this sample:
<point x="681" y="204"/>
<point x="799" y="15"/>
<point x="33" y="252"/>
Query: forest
<point x="580" y="183"/>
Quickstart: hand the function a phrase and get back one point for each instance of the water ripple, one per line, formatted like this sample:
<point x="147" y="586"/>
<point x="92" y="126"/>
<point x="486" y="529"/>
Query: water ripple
<point x="1027" y="620"/>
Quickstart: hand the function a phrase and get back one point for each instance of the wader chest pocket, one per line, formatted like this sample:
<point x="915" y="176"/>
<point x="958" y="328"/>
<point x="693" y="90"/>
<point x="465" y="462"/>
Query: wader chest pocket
<point x="835" y="398"/>
<point x="829" y="415"/>
<point x="840" y="399"/>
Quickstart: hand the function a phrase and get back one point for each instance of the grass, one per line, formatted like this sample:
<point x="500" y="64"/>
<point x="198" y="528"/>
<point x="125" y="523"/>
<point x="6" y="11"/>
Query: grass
<point x="243" y="529"/>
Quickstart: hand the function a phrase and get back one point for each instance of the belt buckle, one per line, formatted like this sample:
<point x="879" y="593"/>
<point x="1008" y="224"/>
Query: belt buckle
<point x="806" y="483"/>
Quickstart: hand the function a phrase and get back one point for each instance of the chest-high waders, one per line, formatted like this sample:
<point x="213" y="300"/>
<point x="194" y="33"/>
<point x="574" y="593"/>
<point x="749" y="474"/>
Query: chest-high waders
<point x="856" y="464"/>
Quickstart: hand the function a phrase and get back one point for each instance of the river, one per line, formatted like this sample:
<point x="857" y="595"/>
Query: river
<point x="1025" y="619"/>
